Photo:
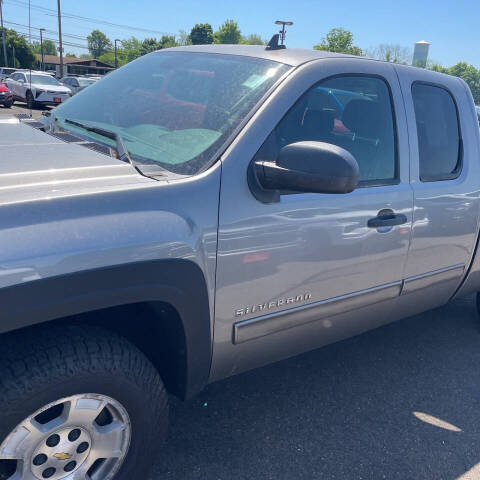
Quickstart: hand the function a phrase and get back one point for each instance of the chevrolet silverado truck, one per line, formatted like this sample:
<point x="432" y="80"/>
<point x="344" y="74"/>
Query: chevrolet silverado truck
<point x="206" y="210"/>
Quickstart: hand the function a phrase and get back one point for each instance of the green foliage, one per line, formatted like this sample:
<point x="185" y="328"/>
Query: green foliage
<point x="49" y="47"/>
<point x="466" y="72"/>
<point x="391" y="53"/>
<point x="339" y="40"/>
<point x="183" y="38"/>
<point x="85" y="56"/>
<point x="152" y="44"/>
<point x="228" y="33"/>
<point x="98" y="43"/>
<point x="253" y="39"/>
<point x="201" y="34"/>
<point x="24" y="55"/>
<point x="70" y="55"/>
<point x="109" y="57"/>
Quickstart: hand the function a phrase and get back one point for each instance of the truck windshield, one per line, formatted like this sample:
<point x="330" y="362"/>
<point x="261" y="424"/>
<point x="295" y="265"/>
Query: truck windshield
<point x="173" y="108"/>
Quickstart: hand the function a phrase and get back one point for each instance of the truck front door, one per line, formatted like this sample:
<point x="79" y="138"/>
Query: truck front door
<point x="306" y="270"/>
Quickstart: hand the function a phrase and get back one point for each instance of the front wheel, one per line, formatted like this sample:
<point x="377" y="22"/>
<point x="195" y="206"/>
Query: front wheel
<point x="8" y="104"/>
<point x="78" y="403"/>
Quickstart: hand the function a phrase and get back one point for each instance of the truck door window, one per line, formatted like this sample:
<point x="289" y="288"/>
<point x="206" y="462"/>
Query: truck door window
<point x="439" y="145"/>
<point x="353" y="112"/>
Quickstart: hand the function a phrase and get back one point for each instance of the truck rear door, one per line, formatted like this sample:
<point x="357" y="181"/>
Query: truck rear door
<point x="444" y="174"/>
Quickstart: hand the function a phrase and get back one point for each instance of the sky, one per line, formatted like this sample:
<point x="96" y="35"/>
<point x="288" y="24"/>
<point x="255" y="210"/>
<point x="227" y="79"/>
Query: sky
<point x="451" y="27"/>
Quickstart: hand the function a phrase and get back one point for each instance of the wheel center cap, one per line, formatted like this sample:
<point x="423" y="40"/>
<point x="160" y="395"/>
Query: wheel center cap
<point x="61" y="453"/>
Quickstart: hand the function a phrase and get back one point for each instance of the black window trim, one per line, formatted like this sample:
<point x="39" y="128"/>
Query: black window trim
<point x="459" y="167"/>
<point x="363" y="183"/>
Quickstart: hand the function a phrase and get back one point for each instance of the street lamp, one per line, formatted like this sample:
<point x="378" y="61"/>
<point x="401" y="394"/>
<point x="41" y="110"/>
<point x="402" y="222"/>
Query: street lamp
<point x="41" y="49"/>
<point x="116" y="57"/>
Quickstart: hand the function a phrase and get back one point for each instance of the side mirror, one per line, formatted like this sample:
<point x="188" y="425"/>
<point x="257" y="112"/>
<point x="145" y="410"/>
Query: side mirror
<point x="21" y="80"/>
<point x="309" y="167"/>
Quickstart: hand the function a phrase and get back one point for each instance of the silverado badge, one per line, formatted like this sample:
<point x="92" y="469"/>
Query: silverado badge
<point x="280" y="302"/>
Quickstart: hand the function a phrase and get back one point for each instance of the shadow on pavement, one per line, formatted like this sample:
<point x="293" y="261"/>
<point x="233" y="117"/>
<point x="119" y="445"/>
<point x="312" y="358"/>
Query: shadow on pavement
<point x="400" y="402"/>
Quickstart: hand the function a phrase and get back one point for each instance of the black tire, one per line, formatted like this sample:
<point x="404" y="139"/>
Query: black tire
<point x="8" y="104"/>
<point x="48" y="364"/>
<point x="30" y="100"/>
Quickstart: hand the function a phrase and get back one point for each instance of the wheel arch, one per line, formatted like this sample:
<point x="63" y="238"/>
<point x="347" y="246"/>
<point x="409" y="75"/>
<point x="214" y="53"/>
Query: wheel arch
<point x="162" y="306"/>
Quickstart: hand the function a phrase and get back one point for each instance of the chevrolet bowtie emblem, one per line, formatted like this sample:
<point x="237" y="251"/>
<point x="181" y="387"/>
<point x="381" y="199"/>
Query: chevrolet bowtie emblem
<point x="62" y="456"/>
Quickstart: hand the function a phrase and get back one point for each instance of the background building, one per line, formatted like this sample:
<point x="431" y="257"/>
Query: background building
<point x="75" y="66"/>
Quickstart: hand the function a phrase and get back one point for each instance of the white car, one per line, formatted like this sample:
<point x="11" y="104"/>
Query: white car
<point x="5" y="72"/>
<point x="37" y="88"/>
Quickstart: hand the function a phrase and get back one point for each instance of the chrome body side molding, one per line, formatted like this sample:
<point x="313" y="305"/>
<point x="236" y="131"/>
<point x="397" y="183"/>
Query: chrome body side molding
<point x="272" y="323"/>
<point x="428" y="279"/>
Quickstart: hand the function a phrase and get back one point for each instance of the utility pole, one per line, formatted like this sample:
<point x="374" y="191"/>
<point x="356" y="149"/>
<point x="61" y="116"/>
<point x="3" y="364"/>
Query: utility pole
<point x="60" y="45"/>
<point x="3" y="37"/>
<point x="29" y="23"/>
<point x="116" y="58"/>
<point x="41" y="49"/>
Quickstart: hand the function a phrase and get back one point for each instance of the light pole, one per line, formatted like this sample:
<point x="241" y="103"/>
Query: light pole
<point x="3" y="37"/>
<point x="41" y="49"/>
<point x="116" y="57"/>
<point x="60" y="45"/>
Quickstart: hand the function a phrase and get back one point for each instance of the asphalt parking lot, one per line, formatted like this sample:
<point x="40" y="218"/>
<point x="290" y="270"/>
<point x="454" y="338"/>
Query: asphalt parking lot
<point x="400" y="402"/>
<point x="19" y="108"/>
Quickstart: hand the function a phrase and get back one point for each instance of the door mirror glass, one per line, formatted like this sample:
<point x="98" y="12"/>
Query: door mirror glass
<point x="308" y="167"/>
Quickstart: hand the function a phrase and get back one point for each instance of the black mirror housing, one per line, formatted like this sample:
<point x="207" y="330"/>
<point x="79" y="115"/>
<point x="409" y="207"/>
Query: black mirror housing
<point x="309" y="167"/>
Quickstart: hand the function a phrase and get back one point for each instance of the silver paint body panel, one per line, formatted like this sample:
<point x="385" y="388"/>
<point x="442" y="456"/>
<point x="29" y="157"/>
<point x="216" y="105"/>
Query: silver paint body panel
<point x="64" y="209"/>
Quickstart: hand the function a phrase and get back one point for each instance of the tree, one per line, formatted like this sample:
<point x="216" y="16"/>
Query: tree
<point x="391" y="53"/>
<point x="24" y="55"/>
<point x="85" y="55"/>
<point x="470" y="75"/>
<point x="201" y="34"/>
<point x="339" y="40"/>
<point x="98" y="43"/>
<point x="228" y="33"/>
<point x="70" y="55"/>
<point x="49" y="47"/>
<point x="253" y="39"/>
<point x="183" y="38"/>
<point x="130" y="49"/>
<point x="168" y="41"/>
<point x="150" y="45"/>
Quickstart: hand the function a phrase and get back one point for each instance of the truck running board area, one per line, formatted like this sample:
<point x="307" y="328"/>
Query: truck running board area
<point x="253" y="328"/>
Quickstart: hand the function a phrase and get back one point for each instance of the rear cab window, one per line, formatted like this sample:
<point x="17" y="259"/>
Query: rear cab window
<point x="438" y="132"/>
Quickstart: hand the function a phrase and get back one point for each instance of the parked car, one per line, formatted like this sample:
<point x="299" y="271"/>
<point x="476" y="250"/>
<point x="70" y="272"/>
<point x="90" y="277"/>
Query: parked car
<point x="6" y="97"/>
<point x="77" y="83"/>
<point x="37" y="88"/>
<point x="197" y="214"/>
<point x="5" y="72"/>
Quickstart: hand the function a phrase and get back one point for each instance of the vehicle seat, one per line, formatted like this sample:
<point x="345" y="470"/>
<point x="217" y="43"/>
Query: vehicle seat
<point x="317" y="125"/>
<point x="367" y="123"/>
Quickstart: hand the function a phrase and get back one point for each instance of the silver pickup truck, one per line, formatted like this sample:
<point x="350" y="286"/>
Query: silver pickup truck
<point x="206" y="210"/>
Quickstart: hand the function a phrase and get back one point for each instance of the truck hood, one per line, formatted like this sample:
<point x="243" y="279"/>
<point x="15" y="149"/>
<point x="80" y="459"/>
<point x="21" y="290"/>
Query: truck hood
<point x="35" y="165"/>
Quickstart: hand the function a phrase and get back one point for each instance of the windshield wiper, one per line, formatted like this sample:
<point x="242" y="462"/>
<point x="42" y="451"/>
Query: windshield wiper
<point x="146" y="170"/>
<point x="120" y="146"/>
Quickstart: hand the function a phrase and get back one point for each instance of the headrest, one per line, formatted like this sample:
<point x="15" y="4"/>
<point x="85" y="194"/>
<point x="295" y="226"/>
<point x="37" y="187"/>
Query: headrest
<point x="364" y="117"/>
<point x="317" y="123"/>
